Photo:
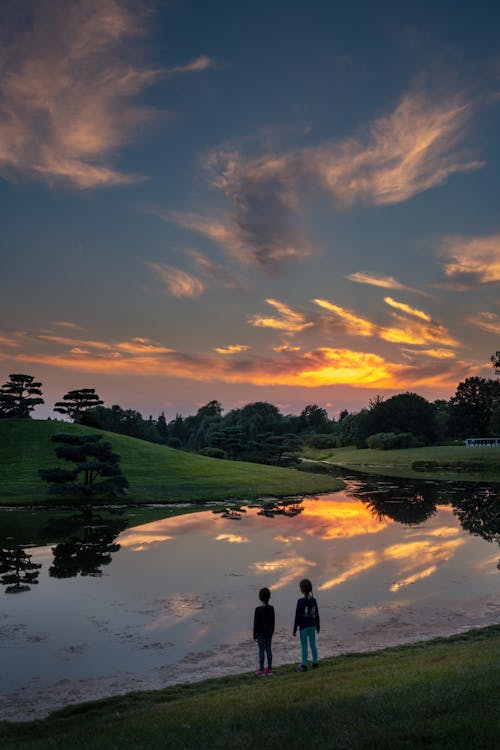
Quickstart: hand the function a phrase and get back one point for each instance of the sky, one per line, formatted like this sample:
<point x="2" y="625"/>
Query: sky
<point x="249" y="201"/>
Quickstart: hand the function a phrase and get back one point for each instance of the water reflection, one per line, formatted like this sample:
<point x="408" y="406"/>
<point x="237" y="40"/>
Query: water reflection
<point x="17" y="572"/>
<point x="87" y="556"/>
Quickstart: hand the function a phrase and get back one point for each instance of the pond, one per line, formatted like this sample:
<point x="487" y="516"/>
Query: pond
<point x="173" y="600"/>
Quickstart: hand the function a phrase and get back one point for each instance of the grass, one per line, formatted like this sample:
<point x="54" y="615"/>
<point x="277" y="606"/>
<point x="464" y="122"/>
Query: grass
<point x="398" y="463"/>
<point x="440" y="694"/>
<point x="156" y="474"/>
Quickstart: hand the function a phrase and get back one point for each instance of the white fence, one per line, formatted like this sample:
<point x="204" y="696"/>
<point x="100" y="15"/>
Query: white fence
<point x="482" y="442"/>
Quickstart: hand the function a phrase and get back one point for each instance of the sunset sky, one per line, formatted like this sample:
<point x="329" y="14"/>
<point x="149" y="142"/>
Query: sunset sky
<point x="271" y="200"/>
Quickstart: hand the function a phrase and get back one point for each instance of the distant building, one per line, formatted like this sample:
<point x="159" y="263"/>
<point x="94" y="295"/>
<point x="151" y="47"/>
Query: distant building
<point x="491" y="442"/>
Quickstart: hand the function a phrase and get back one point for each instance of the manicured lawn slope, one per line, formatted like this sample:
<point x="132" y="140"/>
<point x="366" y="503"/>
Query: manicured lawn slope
<point x="441" y="694"/>
<point x="155" y="473"/>
<point x="398" y="463"/>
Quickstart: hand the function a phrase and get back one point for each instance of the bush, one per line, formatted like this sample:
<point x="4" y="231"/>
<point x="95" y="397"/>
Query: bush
<point x="385" y="441"/>
<point x="321" y="441"/>
<point x="212" y="452"/>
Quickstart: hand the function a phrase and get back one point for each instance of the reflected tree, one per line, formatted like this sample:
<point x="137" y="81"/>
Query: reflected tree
<point x="87" y="556"/>
<point x="407" y="503"/>
<point x="17" y="572"/>
<point x="479" y="513"/>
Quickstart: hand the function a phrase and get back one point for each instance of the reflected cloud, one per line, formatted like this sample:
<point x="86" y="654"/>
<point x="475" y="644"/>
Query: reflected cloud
<point x="413" y="578"/>
<point x="363" y="561"/>
<point x="337" y="519"/>
<point x="232" y="539"/>
<point x="293" y="567"/>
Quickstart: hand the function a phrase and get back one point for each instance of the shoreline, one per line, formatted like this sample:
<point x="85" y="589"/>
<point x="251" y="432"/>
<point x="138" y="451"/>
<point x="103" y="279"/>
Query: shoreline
<point x="34" y="701"/>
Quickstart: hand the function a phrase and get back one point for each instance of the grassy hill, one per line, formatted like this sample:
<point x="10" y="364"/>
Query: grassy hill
<point x="156" y="473"/>
<point x="441" y="695"/>
<point x="443" y="462"/>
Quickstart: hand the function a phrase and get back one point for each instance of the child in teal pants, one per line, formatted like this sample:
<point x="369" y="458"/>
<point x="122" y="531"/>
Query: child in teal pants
<point x="307" y="621"/>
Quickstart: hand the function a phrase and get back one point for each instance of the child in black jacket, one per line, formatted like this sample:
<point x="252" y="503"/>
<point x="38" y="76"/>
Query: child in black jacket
<point x="263" y="629"/>
<point x="307" y="621"/>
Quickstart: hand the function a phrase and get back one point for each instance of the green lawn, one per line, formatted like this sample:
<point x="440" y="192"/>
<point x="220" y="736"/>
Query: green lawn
<point x="442" y="695"/>
<point x="398" y="463"/>
<point x="155" y="473"/>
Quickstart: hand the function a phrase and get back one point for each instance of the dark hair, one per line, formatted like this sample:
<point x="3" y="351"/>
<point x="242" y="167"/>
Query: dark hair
<point x="264" y="595"/>
<point x="306" y="587"/>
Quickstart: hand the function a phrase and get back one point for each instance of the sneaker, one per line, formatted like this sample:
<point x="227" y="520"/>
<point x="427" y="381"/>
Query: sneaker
<point x="268" y="672"/>
<point x="301" y="668"/>
<point x="260" y="673"/>
<point x="315" y="665"/>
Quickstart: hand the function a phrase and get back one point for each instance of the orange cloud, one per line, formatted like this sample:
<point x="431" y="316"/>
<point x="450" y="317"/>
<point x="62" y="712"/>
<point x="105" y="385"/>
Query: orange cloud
<point x="353" y="323"/>
<point x="385" y="282"/>
<point x="318" y="367"/>
<point x="407" y="309"/>
<point x="473" y="260"/>
<point x="179" y="283"/>
<point x="434" y="353"/>
<point x="487" y="321"/>
<point x="289" y="320"/>
<point x="408" y="332"/>
<point x="232" y="349"/>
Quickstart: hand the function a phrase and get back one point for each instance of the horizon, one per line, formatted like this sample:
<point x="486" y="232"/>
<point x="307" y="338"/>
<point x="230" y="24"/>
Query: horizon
<point x="280" y="203"/>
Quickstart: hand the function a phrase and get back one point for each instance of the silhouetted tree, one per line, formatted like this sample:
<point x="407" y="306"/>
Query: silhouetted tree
<point x="96" y="468"/>
<point x="405" y="412"/>
<point x="313" y="418"/>
<point x="471" y="407"/>
<point x="75" y="403"/>
<point x="19" y="396"/>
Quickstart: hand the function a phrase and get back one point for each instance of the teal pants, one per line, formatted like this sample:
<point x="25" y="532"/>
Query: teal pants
<point x="308" y="635"/>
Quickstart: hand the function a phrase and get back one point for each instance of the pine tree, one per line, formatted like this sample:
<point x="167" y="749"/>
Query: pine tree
<point x="19" y="396"/>
<point x="76" y="403"/>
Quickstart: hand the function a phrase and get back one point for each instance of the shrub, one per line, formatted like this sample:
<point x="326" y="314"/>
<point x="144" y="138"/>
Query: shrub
<point x="321" y="441"/>
<point x="390" y="440"/>
<point x="174" y="442"/>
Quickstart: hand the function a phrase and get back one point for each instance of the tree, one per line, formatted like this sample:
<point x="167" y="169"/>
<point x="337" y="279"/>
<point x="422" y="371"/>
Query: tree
<point x="96" y="468"/>
<point x="471" y="407"/>
<point x="314" y="419"/>
<point x="75" y="403"/>
<point x="406" y="412"/>
<point x="495" y="360"/>
<point x="161" y="426"/>
<point x="19" y="396"/>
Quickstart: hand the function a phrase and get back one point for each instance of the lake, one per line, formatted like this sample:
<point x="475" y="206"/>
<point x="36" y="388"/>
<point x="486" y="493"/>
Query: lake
<point x="173" y="600"/>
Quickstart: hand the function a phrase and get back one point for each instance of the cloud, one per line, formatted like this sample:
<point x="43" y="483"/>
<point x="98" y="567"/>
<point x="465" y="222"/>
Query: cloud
<point x="406" y="332"/>
<point x="214" y="270"/>
<point x="412" y="149"/>
<point x="289" y="320"/>
<point x="232" y="349"/>
<point x="67" y="91"/>
<point x="323" y="366"/>
<point x="179" y="283"/>
<point x="487" y="321"/>
<point x="414" y="354"/>
<point x="407" y="309"/>
<point x="195" y="66"/>
<point x="473" y="261"/>
<point x="385" y="282"/>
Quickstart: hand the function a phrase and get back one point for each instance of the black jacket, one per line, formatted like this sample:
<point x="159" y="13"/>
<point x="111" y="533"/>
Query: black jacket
<point x="263" y="621"/>
<point x="306" y="614"/>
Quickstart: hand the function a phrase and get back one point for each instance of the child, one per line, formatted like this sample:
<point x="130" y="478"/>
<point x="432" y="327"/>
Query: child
<point x="263" y="629"/>
<point x="307" y="621"/>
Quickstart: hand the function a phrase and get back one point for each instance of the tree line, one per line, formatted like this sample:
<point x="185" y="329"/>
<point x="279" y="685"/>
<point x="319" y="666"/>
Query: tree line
<point x="260" y="432"/>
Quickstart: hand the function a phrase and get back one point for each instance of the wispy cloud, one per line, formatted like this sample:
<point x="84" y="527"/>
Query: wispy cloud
<point x="232" y="349"/>
<point x="407" y="331"/>
<point x="68" y="86"/>
<point x="487" y="321"/>
<point x="215" y="271"/>
<point x="323" y="366"/>
<point x="472" y="260"/>
<point x="289" y="320"/>
<point x="385" y="282"/>
<point x="179" y="283"/>
<point x="407" y="309"/>
<point x="415" y="147"/>
<point x="194" y="66"/>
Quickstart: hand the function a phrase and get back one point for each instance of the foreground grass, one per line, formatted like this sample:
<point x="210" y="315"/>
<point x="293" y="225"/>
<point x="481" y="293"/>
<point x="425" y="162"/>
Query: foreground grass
<point x="438" y="694"/>
<point x="156" y="473"/>
<point x="398" y="463"/>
